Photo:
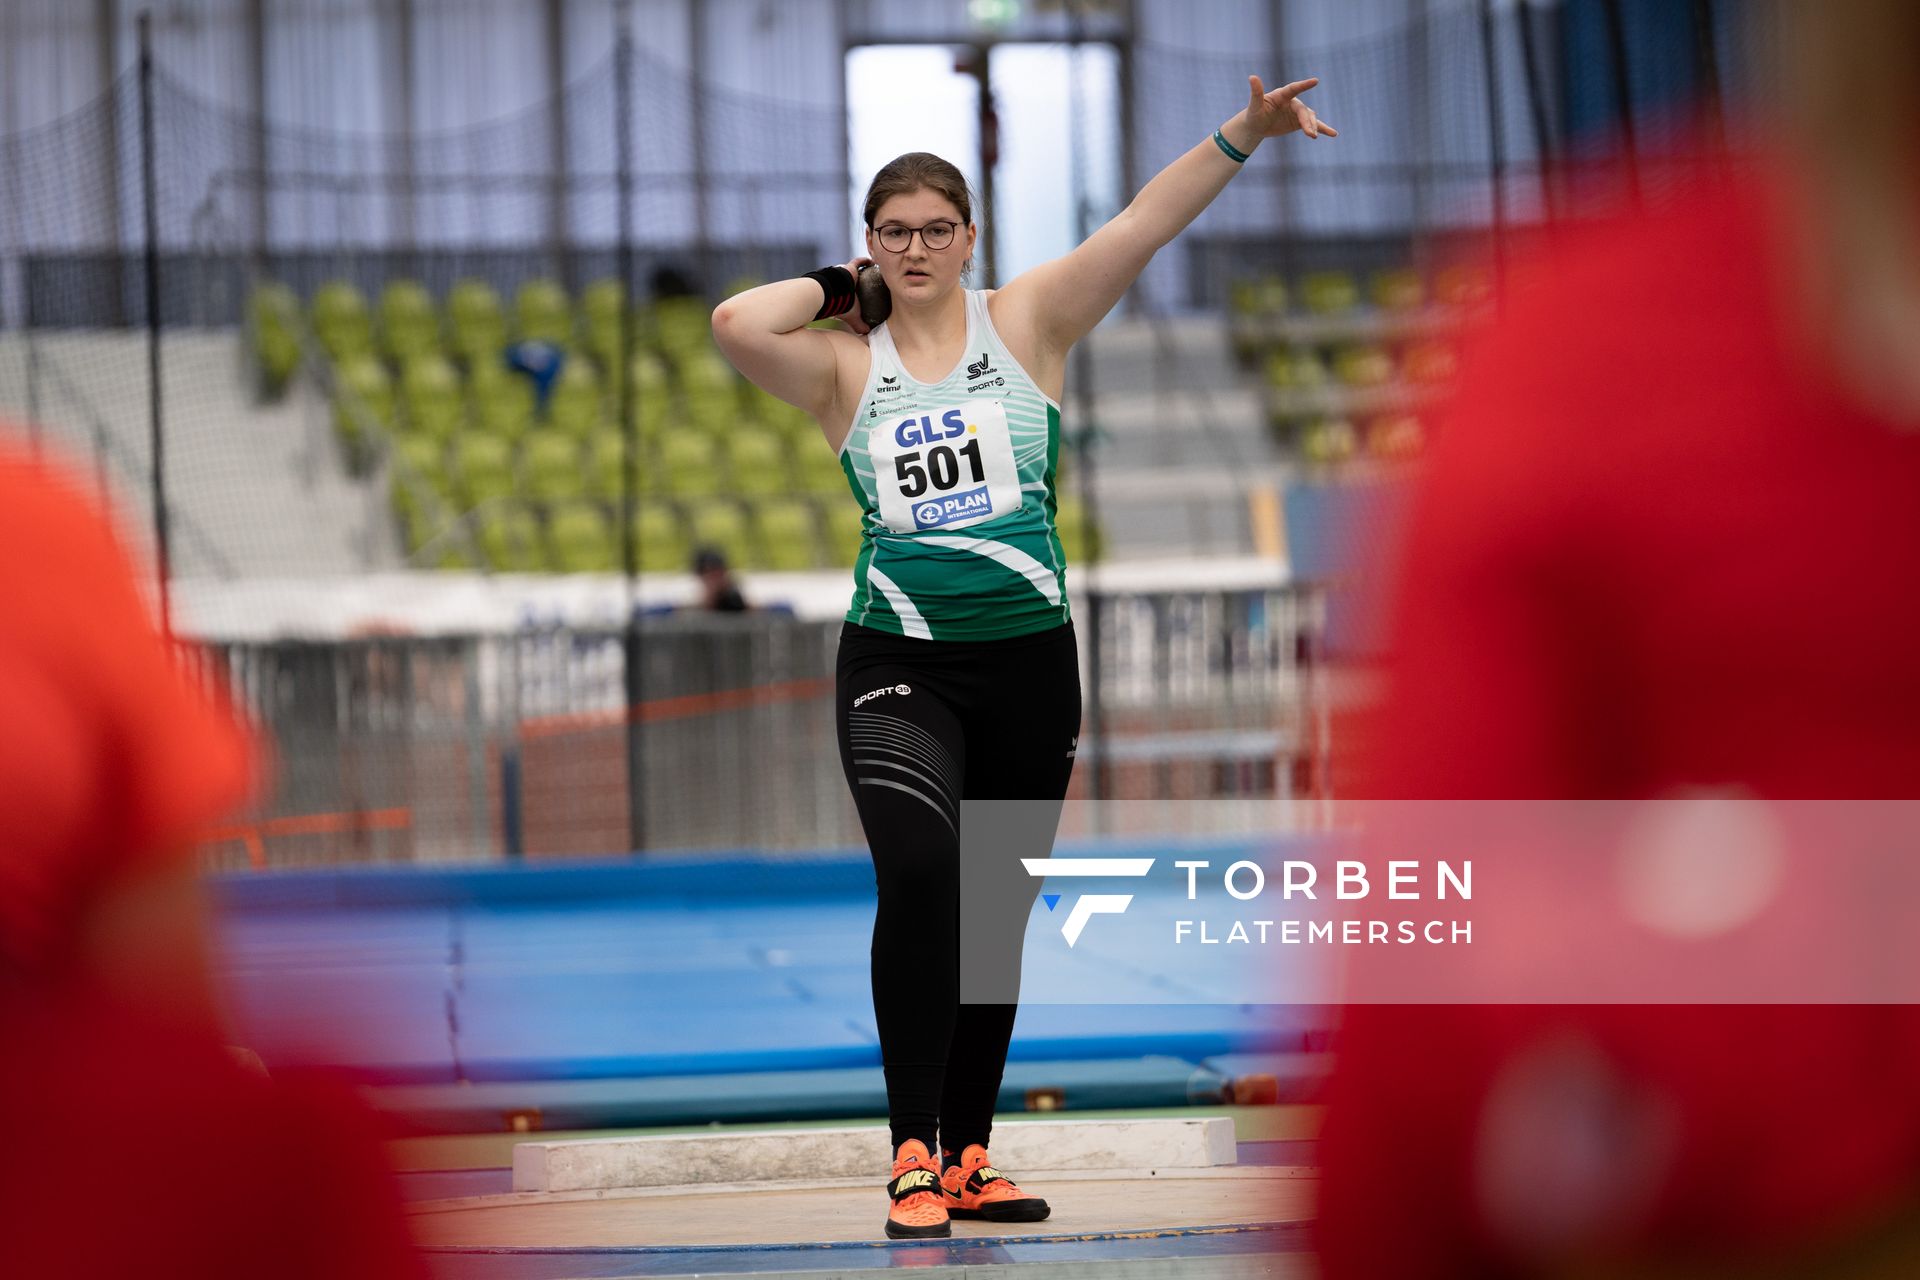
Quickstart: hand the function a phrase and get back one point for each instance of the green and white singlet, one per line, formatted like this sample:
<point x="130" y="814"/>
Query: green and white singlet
<point x="956" y="484"/>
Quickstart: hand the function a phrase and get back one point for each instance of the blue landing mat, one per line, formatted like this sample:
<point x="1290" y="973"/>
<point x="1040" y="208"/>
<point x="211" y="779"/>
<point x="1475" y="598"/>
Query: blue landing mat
<point x="1098" y="1253"/>
<point x="572" y="1105"/>
<point x="706" y="974"/>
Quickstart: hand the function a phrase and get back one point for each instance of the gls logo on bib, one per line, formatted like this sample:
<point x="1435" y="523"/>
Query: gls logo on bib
<point x="945" y="469"/>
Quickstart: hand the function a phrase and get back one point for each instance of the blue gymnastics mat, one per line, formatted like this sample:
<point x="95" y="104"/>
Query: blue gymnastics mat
<point x="643" y="981"/>
<point x="773" y="1096"/>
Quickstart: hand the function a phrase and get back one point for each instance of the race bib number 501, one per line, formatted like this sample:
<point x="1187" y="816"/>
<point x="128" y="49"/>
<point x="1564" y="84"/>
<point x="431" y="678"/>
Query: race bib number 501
<point x="945" y="469"/>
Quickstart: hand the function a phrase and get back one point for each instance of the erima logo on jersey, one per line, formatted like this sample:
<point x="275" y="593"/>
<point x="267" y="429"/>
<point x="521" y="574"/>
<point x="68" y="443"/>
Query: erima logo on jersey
<point x="980" y="368"/>
<point x="956" y="506"/>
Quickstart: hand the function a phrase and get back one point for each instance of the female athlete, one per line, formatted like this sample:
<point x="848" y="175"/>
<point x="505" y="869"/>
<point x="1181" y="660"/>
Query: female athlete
<point x="958" y="676"/>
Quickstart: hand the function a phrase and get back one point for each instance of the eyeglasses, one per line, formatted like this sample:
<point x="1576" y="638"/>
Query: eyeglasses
<point x="936" y="236"/>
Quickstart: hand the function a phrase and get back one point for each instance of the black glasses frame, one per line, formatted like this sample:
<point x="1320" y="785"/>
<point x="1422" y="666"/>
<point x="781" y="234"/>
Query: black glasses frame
<point x="953" y="231"/>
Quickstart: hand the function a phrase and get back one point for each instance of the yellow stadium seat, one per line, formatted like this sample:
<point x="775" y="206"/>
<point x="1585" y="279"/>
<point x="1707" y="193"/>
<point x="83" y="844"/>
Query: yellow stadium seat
<point x="689" y="465"/>
<point x="844" y="520"/>
<point x="483" y="469"/>
<point x="542" y="313"/>
<point x="757" y="461"/>
<point x="661" y="539"/>
<point x="550" y="468"/>
<point x="789" y="534"/>
<point x="720" y="524"/>
<point x="580" y="539"/>
<point x="509" y="538"/>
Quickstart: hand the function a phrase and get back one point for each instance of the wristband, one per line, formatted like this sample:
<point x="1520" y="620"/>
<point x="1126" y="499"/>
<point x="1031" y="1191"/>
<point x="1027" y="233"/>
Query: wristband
<point x="1233" y="153"/>
<point x="838" y="284"/>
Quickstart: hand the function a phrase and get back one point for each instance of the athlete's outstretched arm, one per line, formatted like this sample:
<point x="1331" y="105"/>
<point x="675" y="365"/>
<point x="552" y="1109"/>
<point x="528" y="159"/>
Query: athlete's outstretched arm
<point x="1059" y="302"/>
<point x="764" y="333"/>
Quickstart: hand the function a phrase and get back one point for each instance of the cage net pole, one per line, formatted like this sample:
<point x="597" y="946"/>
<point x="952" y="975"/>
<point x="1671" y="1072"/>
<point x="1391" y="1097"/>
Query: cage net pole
<point x="156" y="426"/>
<point x="1545" y="149"/>
<point x="1496" y="151"/>
<point x="1707" y="71"/>
<point x="631" y="652"/>
<point x="1623" y="93"/>
<point x="1083" y="390"/>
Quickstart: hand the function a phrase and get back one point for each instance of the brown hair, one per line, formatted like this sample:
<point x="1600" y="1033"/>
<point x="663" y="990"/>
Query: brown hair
<point x="1852" y="119"/>
<point x="919" y="171"/>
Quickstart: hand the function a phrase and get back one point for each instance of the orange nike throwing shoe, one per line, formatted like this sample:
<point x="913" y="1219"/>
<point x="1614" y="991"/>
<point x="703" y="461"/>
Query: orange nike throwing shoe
<point x="919" y="1209"/>
<point x="975" y="1189"/>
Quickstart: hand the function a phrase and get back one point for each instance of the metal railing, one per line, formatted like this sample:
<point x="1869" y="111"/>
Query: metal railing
<point x="485" y="747"/>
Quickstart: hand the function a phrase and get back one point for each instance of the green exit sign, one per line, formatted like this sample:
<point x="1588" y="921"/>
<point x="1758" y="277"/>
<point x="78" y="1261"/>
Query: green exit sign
<point x="993" y="13"/>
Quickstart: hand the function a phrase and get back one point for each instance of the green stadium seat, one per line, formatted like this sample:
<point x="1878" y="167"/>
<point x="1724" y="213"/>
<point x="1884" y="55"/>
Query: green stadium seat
<point x="409" y="325"/>
<point x="720" y="524"/>
<point x="708" y="373"/>
<point x="421" y="516"/>
<point x="502" y="400"/>
<point x="476" y="322"/>
<point x="818" y="470"/>
<point x="1330" y="293"/>
<point x="761" y="409"/>
<point x="757" y="461"/>
<point x="689" y="465"/>
<point x="550" y="467"/>
<point x="421" y="460"/>
<point x="273" y="326"/>
<point x="483" y="469"/>
<point x="602" y="304"/>
<point x="509" y="538"/>
<point x="1328" y="442"/>
<point x="580" y="539"/>
<point x="844" y="529"/>
<point x="606" y="451"/>
<point x="362" y="407"/>
<point x="653" y="394"/>
<point x="1296" y="369"/>
<point x="1264" y="296"/>
<point x="417" y="488"/>
<point x="543" y="313"/>
<point x="1364" y="366"/>
<point x="430" y="393"/>
<point x="789" y="534"/>
<point x="1079" y="537"/>
<point x="795" y="423"/>
<point x="682" y="328"/>
<point x="711" y="414"/>
<point x="661" y="539"/>
<point x="1399" y="289"/>
<point x="574" y="405"/>
<point x="340" y="320"/>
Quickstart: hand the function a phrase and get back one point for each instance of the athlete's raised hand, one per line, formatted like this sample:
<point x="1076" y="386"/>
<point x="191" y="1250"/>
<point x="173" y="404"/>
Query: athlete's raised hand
<point x="1281" y="111"/>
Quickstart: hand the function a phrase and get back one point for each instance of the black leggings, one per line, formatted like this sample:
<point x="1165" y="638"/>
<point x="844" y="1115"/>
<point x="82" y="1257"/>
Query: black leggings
<point x="924" y="724"/>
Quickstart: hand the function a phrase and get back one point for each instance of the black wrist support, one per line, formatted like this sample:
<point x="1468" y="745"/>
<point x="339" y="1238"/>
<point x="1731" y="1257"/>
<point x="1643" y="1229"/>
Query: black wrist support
<point x="838" y="284"/>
